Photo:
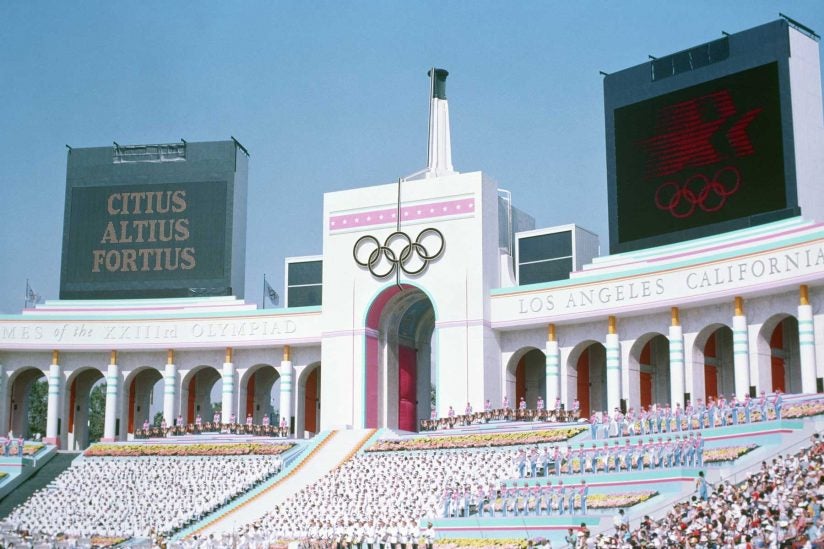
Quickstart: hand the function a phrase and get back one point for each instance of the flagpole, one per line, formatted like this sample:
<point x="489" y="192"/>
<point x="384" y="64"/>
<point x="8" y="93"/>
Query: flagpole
<point x="26" y="302"/>
<point x="263" y="300"/>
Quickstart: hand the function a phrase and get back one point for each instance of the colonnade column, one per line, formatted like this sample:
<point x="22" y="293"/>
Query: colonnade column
<point x="4" y="419"/>
<point x="286" y="383"/>
<point x="740" y="349"/>
<point x="112" y="386"/>
<point x="676" y="359"/>
<point x="553" y="367"/>
<point x="170" y="389"/>
<point x="228" y="401"/>
<point x="806" y="341"/>
<point x="613" y="348"/>
<point x="55" y="375"/>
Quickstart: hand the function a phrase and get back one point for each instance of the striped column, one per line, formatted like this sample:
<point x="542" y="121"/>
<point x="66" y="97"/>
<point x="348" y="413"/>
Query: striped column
<point x="53" y="412"/>
<point x="806" y="342"/>
<point x="740" y="349"/>
<point x="170" y="389"/>
<point x="676" y="359"/>
<point x="553" y="367"/>
<point x="228" y="401"/>
<point x="613" y="347"/>
<point x="286" y="383"/>
<point x="112" y="386"/>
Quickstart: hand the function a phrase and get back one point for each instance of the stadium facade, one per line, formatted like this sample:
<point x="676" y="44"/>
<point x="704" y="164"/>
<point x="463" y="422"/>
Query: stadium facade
<point x="715" y="283"/>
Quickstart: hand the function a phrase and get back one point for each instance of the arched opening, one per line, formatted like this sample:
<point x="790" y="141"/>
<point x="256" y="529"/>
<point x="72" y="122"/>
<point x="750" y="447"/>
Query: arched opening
<point x="587" y="369"/>
<point x="399" y="358"/>
<point x="307" y="418"/>
<point x="785" y="368"/>
<point x="260" y="394"/>
<point x="201" y="394"/>
<point x="86" y="407"/>
<point x="651" y="352"/>
<point x="28" y="402"/>
<point x="719" y="368"/>
<point x="526" y="377"/>
<point x="138" y="400"/>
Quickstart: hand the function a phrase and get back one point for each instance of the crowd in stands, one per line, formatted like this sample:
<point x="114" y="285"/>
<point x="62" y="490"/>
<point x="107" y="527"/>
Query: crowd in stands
<point x="137" y="496"/>
<point x="557" y="414"/>
<point x="381" y="498"/>
<point x="180" y="428"/>
<point x="778" y="506"/>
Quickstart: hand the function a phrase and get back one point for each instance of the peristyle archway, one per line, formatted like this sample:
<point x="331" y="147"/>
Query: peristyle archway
<point x="399" y="364"/>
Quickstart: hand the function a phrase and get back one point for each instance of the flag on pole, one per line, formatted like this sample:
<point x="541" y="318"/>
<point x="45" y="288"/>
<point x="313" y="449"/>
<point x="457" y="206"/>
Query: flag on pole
<point x="32" y="297"/>
<point x="273" y="296"/>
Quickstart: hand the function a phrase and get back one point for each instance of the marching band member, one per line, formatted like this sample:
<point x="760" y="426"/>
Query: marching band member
<point x="711" y="409"/>
<point x="593" y="426"/>
<point x="583" y="492"/>
<point x="722" y="410"/>
<point x="699" y="412"/>
<point x="762" y="405"/>
<point x="748" y="406"/>
<point x="778" y="401"/>
<point x="560" y="492"/>
<point x="688" y="413"/>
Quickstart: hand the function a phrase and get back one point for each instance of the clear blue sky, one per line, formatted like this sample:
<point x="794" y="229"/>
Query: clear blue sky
<point x="326" y="96"/>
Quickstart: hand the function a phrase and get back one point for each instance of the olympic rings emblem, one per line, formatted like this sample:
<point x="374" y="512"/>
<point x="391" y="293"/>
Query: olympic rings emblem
<point x="398" y="251"/>
<point x="698" y="192"/>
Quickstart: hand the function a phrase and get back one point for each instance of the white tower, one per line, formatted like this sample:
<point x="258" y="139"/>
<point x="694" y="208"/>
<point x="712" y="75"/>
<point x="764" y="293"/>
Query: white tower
<point x="439" y="161"/>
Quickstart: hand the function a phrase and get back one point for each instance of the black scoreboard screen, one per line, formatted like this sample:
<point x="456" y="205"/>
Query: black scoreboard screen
<point x="699" y="156"/>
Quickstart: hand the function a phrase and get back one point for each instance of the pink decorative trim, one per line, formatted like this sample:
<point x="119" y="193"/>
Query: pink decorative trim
<point x="408" y="213"/>
<point x="49" y="311"/>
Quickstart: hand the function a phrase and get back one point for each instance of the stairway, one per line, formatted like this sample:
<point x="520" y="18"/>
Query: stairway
<point x="334" y="450"/>
<point x="40" y="479"/>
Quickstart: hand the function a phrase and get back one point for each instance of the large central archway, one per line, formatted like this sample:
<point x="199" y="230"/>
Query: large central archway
<point x="399" y="362"/>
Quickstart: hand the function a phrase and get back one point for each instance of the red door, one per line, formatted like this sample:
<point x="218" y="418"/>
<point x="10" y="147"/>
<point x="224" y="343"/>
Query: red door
<point x="310" y="422"/>
<point x="583" y="384"/>
<point x="777" y="344"/>
<point x="646" y="389"/>
<point x="710" y="381"/>
<point x="520" y="382"/>
<point x="778" y="374"/>
<point x="407" y="388"/>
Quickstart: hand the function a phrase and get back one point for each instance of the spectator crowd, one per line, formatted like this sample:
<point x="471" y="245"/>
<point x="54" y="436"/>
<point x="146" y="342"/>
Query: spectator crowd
<point x="779" y="506"/>
<point x="136" y="496"/>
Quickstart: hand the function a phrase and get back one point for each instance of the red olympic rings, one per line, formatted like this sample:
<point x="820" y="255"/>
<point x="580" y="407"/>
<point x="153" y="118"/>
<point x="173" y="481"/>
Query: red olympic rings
<point x="696" y="192"/>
